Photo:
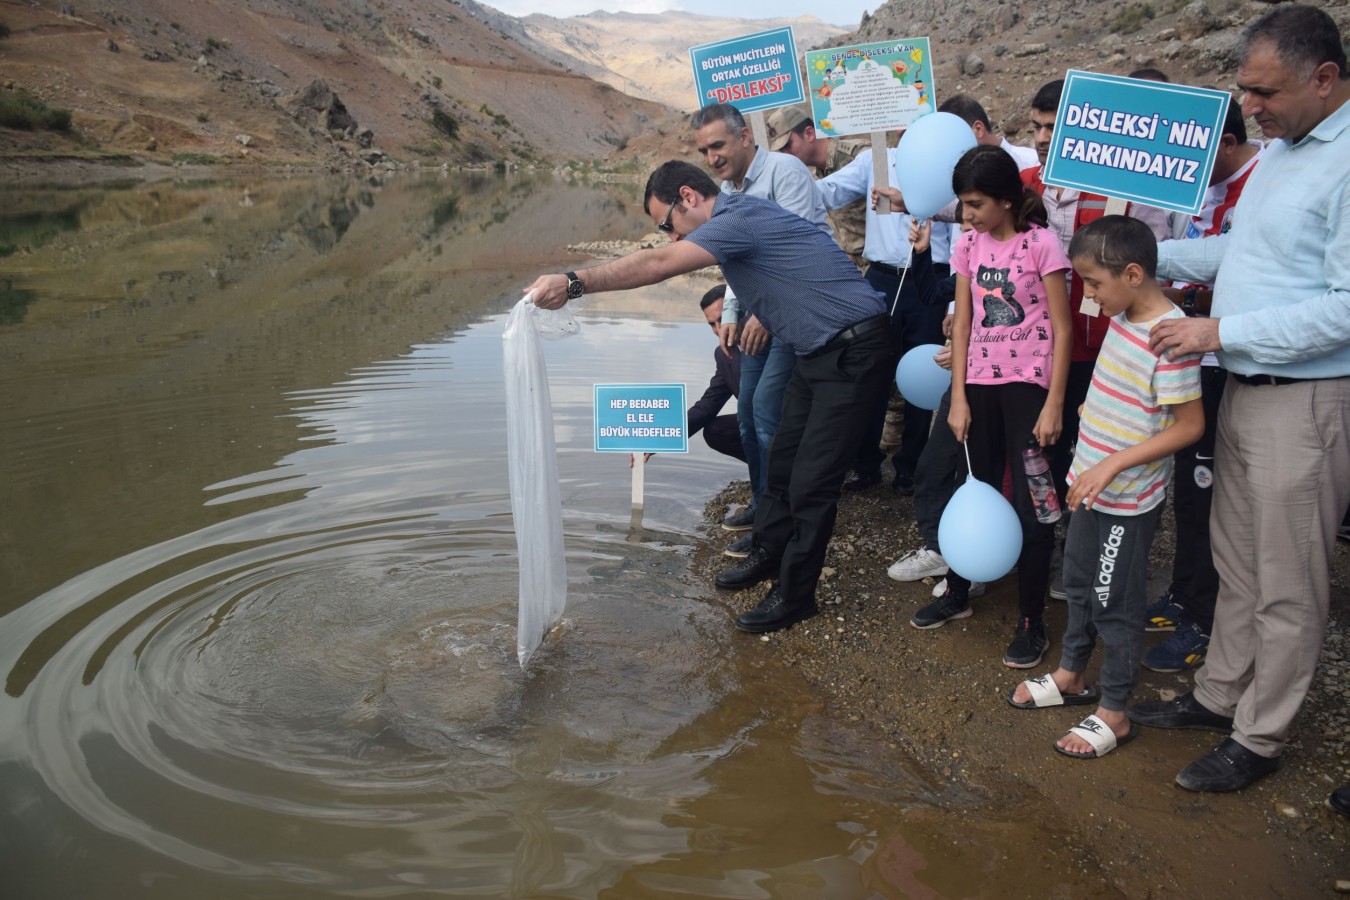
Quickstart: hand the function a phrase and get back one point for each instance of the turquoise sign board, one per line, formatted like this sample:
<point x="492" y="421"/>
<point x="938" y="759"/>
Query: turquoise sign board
<point x="870" y="87"/>
<point x="640" y="418"/>
<point x="1137" y="140"/>
<point x="752" y="72"/>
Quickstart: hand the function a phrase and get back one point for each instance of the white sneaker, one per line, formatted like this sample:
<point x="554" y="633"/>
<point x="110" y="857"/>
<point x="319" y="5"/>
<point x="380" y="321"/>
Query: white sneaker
<point x="976" y="588"/>
<point x="920" y="564"/>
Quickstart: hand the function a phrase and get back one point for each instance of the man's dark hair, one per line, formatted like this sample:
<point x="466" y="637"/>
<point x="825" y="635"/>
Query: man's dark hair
<point x="1114" y="242"/>
<point x="714" y="294"/>
<point x="800" y="130"/>
<point x="1233" y="123"/>
<point x="1304" y="38"/>
<point x="718" y="112"/>
<point x="1150" y="74"/>
<point x="664" y="184"/>
<point x="968" y="108"/>
<point x="1047" y="98"/>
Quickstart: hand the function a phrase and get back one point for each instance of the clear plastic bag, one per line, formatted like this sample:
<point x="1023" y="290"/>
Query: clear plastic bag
<point x="556" y="324"/>
<point x="532" y="463"/>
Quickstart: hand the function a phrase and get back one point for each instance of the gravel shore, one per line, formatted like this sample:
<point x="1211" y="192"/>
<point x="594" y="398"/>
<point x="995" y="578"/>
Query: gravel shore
<point x="938" y="698"/>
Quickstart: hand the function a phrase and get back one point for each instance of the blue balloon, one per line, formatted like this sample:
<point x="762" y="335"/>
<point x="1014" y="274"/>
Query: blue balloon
<point x="920" y="380"/>
<point x="924" y="160"/>
<point x="980" y="534"/>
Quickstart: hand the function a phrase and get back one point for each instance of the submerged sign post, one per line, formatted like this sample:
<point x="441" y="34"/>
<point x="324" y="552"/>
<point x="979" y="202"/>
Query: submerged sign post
<point x="753" y="72"/>
<point x="639" y="419"/>
<point x="870" y="89"/>
<point x="1140" y="141"/>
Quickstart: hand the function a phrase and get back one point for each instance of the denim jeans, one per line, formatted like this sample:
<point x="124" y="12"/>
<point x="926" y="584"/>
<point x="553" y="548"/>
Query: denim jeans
<point x="759" y="406"/>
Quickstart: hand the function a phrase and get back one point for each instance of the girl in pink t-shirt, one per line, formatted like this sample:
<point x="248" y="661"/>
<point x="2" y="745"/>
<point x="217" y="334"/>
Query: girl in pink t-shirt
<point x="1010" y="361"/>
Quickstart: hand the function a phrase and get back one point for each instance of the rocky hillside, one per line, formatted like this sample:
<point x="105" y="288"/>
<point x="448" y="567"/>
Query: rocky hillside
<point x="1002" y="51"/>
<point x="648" y="55"/>
<point x="279" y="81"/>
<point x="371" y="82"/>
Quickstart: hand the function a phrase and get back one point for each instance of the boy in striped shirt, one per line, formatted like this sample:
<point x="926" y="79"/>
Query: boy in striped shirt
<point x="1139" y="410"/>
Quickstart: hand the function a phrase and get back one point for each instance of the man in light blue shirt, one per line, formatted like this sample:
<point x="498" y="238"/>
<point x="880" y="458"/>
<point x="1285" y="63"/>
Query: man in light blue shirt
<point x="910" y="287"/>
<point x="727" y="146"/>
<point x="1280" y="323"/>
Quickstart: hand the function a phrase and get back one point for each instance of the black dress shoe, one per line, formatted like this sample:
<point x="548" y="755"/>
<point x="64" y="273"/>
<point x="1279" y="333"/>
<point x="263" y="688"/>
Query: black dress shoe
<point x="861" y="481"/>
<point x="1183" y="712"/>
<point x="903" y="484"/>
<point x="1340" y="800"/>
<point x="756" y="567"/>
<point x="1228" y="767"/>
<point x="741" y="547"/>
<point x="774" y="613"/>
<point x="743" y="520"/>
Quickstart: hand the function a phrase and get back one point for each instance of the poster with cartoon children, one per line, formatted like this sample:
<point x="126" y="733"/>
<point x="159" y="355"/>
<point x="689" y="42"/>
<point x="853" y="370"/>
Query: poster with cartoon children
<point x="870" y="87"/>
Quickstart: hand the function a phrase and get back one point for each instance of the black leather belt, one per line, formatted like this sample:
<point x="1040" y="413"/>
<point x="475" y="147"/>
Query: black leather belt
<point x="889" y="270"/>
<point x="1270" y="379"/>
<point x="851" y="332"/>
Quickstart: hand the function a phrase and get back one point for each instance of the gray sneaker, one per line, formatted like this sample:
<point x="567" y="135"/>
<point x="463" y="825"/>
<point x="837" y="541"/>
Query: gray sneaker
<point x="1057" y="584"/>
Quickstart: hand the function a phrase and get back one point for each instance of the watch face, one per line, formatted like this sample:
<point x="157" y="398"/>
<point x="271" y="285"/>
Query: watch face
<point x="575" y="288"/>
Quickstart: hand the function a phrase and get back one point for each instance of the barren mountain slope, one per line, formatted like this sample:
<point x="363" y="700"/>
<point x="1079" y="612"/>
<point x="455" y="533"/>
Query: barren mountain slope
<point x="1002" y="51"/>
<point x="648" y="55"/>
<point x="160" y="77"/>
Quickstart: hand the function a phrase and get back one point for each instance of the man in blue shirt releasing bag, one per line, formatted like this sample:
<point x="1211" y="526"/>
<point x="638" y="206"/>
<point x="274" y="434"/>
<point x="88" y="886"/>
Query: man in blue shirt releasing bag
<point x="810" y="295"/>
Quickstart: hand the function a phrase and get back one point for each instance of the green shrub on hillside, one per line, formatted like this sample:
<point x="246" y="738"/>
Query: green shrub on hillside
<point x="19" y="109"/>
<point x="1131" y="19"/>
<point x="445" y="123"/>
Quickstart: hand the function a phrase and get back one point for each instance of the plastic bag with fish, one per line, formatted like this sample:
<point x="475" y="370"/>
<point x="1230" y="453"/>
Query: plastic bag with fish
<point x="532" y="463"/>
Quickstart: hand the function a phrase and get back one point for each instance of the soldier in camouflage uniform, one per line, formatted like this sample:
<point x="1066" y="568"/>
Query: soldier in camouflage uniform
<point x="792" y="131"/>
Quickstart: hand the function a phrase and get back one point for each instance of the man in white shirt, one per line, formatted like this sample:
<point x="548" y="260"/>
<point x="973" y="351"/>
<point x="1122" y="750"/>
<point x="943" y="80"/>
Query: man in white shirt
<point x="1280" y="326"/>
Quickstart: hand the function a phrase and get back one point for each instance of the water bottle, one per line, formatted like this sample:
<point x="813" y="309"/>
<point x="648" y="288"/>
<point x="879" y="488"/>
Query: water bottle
<point x="1043" y="497"/>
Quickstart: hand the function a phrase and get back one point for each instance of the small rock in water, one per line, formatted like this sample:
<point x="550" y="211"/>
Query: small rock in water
<point x="1287" y="810"/>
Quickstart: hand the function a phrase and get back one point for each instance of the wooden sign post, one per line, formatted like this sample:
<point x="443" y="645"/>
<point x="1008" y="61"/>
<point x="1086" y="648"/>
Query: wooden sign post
<point x="640" y="419"/>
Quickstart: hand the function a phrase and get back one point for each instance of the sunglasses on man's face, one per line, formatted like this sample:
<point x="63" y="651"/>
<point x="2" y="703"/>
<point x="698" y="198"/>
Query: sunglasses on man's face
<point x="664" y="225"/>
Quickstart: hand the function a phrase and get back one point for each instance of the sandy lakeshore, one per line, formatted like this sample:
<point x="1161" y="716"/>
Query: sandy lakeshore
<point x="938" y="698"/>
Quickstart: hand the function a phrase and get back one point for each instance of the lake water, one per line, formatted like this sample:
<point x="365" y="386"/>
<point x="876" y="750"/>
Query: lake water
<point x="257" y="607"/>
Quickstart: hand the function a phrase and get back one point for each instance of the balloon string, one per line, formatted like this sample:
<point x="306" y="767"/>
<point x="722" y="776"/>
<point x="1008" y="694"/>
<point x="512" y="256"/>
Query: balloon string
<point x="970" y="473"/>
<point x="903" y="272"/>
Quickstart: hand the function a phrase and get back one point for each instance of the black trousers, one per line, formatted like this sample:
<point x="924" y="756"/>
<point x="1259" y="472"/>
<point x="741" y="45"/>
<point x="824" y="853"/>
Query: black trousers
<point x="917" y="320"/>
<point x="1001" y="420"/>
<point x="941" y="470"/>
<point x="1061" y="454"/>
<point x="723" y="434"/>
<point x="1195" y="583"/>
<point x="824" y="415"/>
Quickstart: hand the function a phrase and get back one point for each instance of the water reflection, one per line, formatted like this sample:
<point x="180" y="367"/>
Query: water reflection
<point x="258" y="606"/>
